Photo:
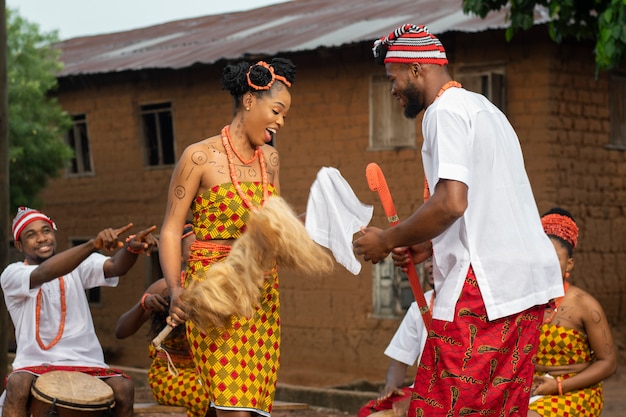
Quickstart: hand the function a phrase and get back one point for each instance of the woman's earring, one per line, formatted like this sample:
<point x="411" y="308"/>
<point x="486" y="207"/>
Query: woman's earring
<point x="247" y="108"/>
<point x="567" y="275"/>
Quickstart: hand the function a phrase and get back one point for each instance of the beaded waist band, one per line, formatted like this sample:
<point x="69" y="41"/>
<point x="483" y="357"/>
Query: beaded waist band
<point x="177" y="358"/>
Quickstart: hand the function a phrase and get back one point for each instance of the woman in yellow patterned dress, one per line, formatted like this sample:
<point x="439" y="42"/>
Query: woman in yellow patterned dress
<point x="576" y="349"/>
<point x="222" y="179"/>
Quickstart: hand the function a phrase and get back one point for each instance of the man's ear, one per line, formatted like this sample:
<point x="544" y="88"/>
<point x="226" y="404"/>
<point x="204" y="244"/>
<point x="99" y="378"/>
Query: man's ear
<point x="416" y="68"/>
<point x="18" y="246"/>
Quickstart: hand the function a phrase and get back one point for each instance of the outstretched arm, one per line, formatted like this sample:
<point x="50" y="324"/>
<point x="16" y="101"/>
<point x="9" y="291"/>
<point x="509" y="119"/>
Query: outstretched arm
<point x="133" y="319"/>
<point x="66" y="261"/>
<point x="121" y="262"/>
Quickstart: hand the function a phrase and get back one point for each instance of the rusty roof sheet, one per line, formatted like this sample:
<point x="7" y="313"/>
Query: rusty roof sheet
<point x="298" y="25"/>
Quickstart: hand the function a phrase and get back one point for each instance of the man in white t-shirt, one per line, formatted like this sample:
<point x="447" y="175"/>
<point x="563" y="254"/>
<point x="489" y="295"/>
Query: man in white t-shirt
<point x="494" y="272"/>
<point x="45" y="296"/>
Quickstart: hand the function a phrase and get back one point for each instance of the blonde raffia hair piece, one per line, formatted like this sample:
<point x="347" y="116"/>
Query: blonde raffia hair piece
<point x="274" y="237"/>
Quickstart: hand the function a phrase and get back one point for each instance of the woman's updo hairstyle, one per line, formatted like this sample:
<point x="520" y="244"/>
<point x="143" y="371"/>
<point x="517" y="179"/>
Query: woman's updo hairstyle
<point x="242" y="77"/>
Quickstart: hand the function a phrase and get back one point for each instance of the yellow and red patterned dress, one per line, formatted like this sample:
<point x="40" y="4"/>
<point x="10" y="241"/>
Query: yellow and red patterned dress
<point x="185" y="389"/>
<point x="239" y="365"/>
<point x="559" y="346"/>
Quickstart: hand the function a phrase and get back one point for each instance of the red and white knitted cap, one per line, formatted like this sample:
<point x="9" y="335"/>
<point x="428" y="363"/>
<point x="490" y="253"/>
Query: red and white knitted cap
<point x="411" y="43"/>
<point x="26" y="216"/>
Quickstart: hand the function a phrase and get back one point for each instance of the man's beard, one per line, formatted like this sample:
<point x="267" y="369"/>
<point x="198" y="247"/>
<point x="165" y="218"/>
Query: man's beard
<point x="414" y="101"/>
<point x="40" y="259"/>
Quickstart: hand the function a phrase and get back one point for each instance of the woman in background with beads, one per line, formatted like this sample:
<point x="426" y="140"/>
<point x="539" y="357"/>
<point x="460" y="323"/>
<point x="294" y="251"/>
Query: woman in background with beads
<point x="222" y="179"/>
<point x="576" y="349"/>
<point x="172" y="376"/>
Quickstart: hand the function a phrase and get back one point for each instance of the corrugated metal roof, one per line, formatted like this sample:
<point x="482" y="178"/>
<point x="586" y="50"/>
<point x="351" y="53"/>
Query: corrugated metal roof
<point x="298" y="25"/>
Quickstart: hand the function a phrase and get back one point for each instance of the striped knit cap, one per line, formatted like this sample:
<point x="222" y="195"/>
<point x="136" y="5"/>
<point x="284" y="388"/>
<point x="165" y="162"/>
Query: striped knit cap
<point x="26" y="216"/>
<point x="411" y="43"/>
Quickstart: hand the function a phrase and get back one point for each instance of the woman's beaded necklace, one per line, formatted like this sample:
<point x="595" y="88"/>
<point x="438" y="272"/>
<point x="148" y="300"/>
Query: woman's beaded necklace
<point x="230" y="150"/>
<point x="256" y="153"/>
<point x="557" y="303"/>
<point x="38" y="316"/>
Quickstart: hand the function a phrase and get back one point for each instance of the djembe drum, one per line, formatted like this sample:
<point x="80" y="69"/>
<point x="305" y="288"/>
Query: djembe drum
<point x="71" y="394"/>
<point x="383" y="413"/>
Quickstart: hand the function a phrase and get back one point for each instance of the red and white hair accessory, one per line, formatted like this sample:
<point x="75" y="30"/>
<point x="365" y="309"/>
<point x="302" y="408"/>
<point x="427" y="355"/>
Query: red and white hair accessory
<point x="26" y="216"/>
<point x="411" y="43"/>
<point x="560" y="226"/>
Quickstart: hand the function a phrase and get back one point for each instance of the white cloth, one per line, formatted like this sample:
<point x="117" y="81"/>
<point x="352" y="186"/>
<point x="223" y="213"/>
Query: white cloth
<point x="334" y="214"/>
<point x="407" y="344"/>
<point x="79" y="345"/>
<point x="468" y="139"/>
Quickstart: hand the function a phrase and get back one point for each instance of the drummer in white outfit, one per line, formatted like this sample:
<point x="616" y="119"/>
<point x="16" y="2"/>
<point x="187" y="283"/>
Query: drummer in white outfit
<point x="45" y="296"/>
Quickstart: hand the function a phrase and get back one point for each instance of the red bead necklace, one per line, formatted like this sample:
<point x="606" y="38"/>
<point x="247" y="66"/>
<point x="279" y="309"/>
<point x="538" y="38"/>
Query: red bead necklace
<point x="256" y="153"/>
<point x="38" y="316"/>
<point x="557" y="303"/>
<point x="230" y="150"/>
<point x="447" y="85"/>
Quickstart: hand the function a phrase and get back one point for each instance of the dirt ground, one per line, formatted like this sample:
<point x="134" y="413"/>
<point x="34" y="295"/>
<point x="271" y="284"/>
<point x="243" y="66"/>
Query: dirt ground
<point x="310" y="412"/>
<point x="614" y="395"/>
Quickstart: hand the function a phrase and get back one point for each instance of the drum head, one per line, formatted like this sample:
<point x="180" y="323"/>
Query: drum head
<point x="73" y="390"/>
<point x="383" y="413"/>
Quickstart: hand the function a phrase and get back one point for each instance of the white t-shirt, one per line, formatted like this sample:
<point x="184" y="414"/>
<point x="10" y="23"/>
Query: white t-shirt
<point x="79" y="345"/>
<point x="468" y="139"/>
<point x="407" y="344"/>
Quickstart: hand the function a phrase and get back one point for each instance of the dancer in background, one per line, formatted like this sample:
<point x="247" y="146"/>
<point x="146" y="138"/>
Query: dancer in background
<point x="172" y="376"/>
<point x="576" y="348"/>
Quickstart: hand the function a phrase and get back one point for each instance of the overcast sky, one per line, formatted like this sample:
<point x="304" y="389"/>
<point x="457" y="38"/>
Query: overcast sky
<point x="73" y="18"/>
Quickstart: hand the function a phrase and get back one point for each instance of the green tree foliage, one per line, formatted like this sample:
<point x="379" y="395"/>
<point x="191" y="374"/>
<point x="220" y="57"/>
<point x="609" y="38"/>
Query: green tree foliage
<point x="603" y="21"/>
<point x="37" y="151"/>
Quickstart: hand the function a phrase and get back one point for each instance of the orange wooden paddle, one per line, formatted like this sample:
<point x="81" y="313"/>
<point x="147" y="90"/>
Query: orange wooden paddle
<point x="376" y="181"/>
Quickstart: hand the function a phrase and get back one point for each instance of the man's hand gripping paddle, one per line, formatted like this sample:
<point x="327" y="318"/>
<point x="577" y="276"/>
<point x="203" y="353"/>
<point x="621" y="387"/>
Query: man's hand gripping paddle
<point x="376" y="181"/>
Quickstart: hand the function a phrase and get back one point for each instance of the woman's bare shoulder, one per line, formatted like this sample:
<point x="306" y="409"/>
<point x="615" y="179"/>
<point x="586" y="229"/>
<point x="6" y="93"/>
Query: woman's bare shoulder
<point x="582" y="298"/>
<point x="270" y="154"/>
<point x="204" y="150"/>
